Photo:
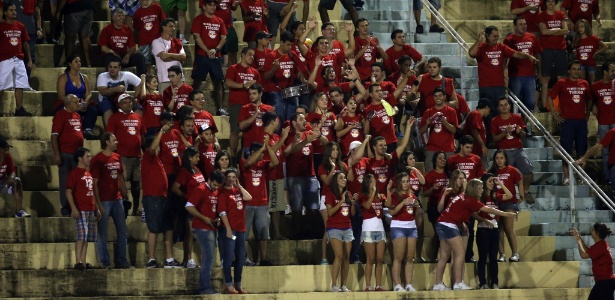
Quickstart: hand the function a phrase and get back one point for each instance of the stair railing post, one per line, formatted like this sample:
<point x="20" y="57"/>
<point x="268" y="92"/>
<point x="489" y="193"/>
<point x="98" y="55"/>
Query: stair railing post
<point x="571" y="183"/>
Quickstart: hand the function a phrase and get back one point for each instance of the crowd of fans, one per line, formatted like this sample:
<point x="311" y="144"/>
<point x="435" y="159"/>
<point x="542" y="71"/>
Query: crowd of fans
<point x="320" y="131"/>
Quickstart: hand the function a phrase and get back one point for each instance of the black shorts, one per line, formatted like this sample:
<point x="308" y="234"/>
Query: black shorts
<point x="204" y="66"/>
<point x="156" y="214"/>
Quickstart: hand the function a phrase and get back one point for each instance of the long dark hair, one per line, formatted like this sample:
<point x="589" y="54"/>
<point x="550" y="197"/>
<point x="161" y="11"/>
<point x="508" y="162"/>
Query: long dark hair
<point x="189" y="153"/>
<point x="602" y="230"/>
<point x="367" y="180"/>
<point x="327" y="155"/>
<point x="70" y="60"/>
<point x="403" y="161"/>
<point x="336" y="189"/>
<point x="488" y="195"/>
<point x="494" y="167"/>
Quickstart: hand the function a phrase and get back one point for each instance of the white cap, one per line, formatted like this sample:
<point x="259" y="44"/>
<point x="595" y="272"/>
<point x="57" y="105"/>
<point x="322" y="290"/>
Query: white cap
<point x="123" y="96"/>
<point x="354" y="145"/>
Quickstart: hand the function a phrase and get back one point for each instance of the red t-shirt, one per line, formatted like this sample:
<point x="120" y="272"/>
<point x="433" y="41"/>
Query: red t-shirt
<point x="510" y="176"/>
<point x="337" y="47"/>
<point x="512" y="141"/>
<point x="205" y="201"/>
<point x="278" y="171"/>
<point x="107" y="169"/>
<point x="154" y="179"/>
<point x="460" y="209"/>
<point x="359" y="170"/>
<point x="327" y="129"/>
<point x="355" y="134"/>
<point x="528" y="44"/>
<point x="608" y="142"/>
<point x="189" y="180"/>
<point x="169" y="151"/>
<point x="231" y="202"/>
<point x="581" y="9"/>
<point x="380" y="123"/>
<point x="12" y="37"/>
<point x="440" y="139"/>
<point x="322" y="171"/>
<point x="371" y="54"/>
<point x="602" y="260"/>
<point x="300" y="163"/>
<point x="405" y="213"/>
<point x="335" y="60"/>
<point x="147" y="21"/>
<point x="251" y="134"/>
<point x="254" y="180"/>
<point x="489" y="203"/>
<point x="81" y="184"/>
<point x="554" y="21"/>
<point x="253" y="8"/>
<point x="285" y="75"/>
<point x="491" y="63"/>
<point x="181" y="97"/>
<point x="586" y="49"/>
<point x="341" y="218"/>
<point x="118" y="40"/>
<point x="432" y="178"/>
<point x="241" y="74"/>
<point x="427" y="86"/>
<point x="475" y="121"/>
<point x="573" y="96"/>
<point x="382" y="170"/>
<point x="203" y="117"/>
<point x="67" y="126"/>
<point x="471" y="165"/>
<point x="530" y="16"/>
<point x="260" y="58"/>
<point x="128" y="129"/>
<point x="207" y="158"/>
<point x="210" y="30"/>
<point x="7" y="167"/>
<point x="375" y="210"/>
<point x="153" y="106"/>
<point x="391" y="65"/>
<point x="395" y="78"/>
<point x="603" y="95"/>
<point x="415" y="184"/>
<point x="388" y="88"/>
<point x="223" y="11"/>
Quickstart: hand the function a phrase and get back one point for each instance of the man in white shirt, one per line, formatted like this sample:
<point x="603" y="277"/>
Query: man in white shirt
<point x="111" y="84"/>
<point x="168" y="51"/>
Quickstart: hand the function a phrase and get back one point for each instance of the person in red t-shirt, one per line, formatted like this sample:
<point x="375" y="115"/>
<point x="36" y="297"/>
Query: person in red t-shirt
<point x="399" y="49"/>
<point x="575" y="102"/>
<point x="587" y="46"/>
<point x="146" y="22"/>
<point x="209" y="33"/>
<point x="84" y="209"/>
<point x="254" y="173"/>
<point x="521" y="72"/>
<point x="475" y="126"/>
<point x="553" y="30"/>
<point x="602" y="94"/>
<point x="254" y="13"/>
<point x="331" y="83"/>
<point x="529" y="10"/>
<point x="231" y="208"/>
<point x="349" y="125"/>
<point x="380" y="112"/>
<point x="491" y="56"/>
<point x="201" y="116"/>
<point x="10" y="184"/>
<point x="152" y="105"/>
<point x="373" y="237"/>
<point x="128" y="127"/>
<point x="425" y="84"/>
<point x="602" y="260"/>
<point x="176" y="95"/>
<point x="441" y="122"/>
<point x="117" y="42"/>
<point x="607" y="143"/>
<point x="250" y="117"/>
<point x="321" y="117"/>
<point x="367" y="50"/>
<point x="110" y="190"/>
<point x="328" y="30"/>
<point x="582" y="10"/>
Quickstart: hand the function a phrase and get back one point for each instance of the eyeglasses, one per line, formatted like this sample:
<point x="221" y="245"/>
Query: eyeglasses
<point x="330" y="29"/>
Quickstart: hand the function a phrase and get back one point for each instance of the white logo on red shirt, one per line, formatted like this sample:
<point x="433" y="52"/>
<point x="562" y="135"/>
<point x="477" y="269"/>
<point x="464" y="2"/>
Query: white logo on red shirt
<point x="607" y="100"/>
<point x="14" y="41"/>
<point x="576" y="98"/>
<point x="148" y="26"/>
<point x="345" y="211"/>
<point x="354" y="133"/>
<point x="212" y="34"/>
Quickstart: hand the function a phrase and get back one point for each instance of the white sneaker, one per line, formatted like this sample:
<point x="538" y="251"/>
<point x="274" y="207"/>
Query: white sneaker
<point x="495" y="287"/>
<point x="335" y="288"/>
<point x="398" y="288"/>
<point x="515" y="258"/>
<point x="502" y="258"/>
<point x="462" y="286"/>
<point x="183" y="39"/>
<point x="441" y="287"/>
<point x="191" y="264"/>
<point x="485" y="287"/>
<point x="22" y="214"/>
<point x="410" y="288"/>
<point x="345" y="289"/>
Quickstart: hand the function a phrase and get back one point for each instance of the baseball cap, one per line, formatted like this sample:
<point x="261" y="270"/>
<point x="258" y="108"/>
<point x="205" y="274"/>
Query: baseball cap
<point x="208" y="1"/>
<point x="354" y="145"/>
<point x="484" y="102"/>
<point x="4" y="144"/>
<point x="263" y="35"/>
<point x="204" y="127"/>
<point x="123" y="96"/>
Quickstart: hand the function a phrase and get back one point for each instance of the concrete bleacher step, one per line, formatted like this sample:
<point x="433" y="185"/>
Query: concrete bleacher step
<point x="390" y="5"/>
<point x="561" y="216"/>
<point x="558" y="191"/>
<point x="283" y="279"/>
<point x="563" y="228"/>
<point x="431" y="37"/>
<point x="561" y="203"/>
<point x="533" y="153"/>
<point x="385" y="15"/>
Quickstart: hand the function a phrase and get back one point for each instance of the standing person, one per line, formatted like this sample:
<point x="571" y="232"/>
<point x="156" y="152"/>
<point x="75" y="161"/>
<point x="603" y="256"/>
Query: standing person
<point x="117" y="42"/>
<point x="441" y="122"/>
<point x="129" y="6"/>
<point x="254" y="14"/>
<point x="109" y="190"/>
<point x="487" y="233"/>
<point x="84" y="209"/>
<point x="147" y="24"/>
<point x="458" y="211"/>
<point x="209" y="33"/>
<point x="325" y="5"/>
<point x="367" y="50"/>
<point x="582" y="10"/>
<point x="251" y="118"/>
<point x="176" y="95"/>
<point x="181" y="6"/>
<point x="417" y="181"/>
<point x="230" y="207"/>
<point x="319" y="115"/>
<point x="78" y="17"/>
<point x="404" y="206"/>
<point x="529" y="10"/>
<point x="66" y="138"/>
<point x="380" y="111"/>
<point x="475" y="127"/>
<point x="373" y="237"/>
<point x="607" y="143"/>
<point x="399" y="49"/>
<point x="9" y="182"/>
<point x="602" y="93"/>
<point x="13" y="57"/>
<point x="425" y="85"/>
<point x="152" y="104"/>
<point x="435" y="181"/>
<point x="511" y="178"/>
<point x="202" y="205"/>
<point x="168" y="51"/>
<point x="224" y="10"/>
<point x="553" y="30"/>
<point x="340" y="206"/>
<point x="349" y="125"/>
<point x="111" y="85"/>
<point x="586" y="47"/>
<point x="602" y="260"/>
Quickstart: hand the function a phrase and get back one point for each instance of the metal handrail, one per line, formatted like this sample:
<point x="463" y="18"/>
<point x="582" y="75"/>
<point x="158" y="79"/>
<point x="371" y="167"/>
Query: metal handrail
<point x="447" y="26"/>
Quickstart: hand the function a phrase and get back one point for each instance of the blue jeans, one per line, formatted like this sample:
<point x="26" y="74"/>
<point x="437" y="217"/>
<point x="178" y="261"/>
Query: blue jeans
<point x="524" y="87"/>
<point x="115" y="210"/>
<point x="602" y="130"/>
<point x="207" y="241"/>
<point x="68" y="163"/>
<point x="284" y="108"/>
<point x="304" y="191"/>
<point x="233" y="250"/>
<point x="574" y="131"/>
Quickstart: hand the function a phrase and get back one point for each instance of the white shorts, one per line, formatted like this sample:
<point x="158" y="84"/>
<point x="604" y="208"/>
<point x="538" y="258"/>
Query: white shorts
<point x="13" y="70"/>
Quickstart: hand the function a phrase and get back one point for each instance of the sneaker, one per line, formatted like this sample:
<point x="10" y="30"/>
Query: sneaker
<point x="183" y="39"/>
<point x="515" y="258"/>
<point x="369" y="289"/>
<point x="485" y="287"/>
<point x="436" y="28"/>
<point x="502" y="258"/>
<point x="240" y="290"/>
<point x="227" y="290"/>
<point x="222" y="112"/>
<point x="151" y="264"/>
<point x="462" y="286"/>
<point x="22" y="214"/>
<point x="88" y="266"/>
<point x="441" y="287"/>
<point x="22" y="112"/>
<point x="566" y="181"/>
<point x="89" y="135"/>
<point x="356" y="262"/>
<point x="529" y="199"/>
<point x="105" y="267"/>
<point x="119" y="267"/>
<point x="420" y="29"/>
<point x="398" y="288"/>
<point x="191" y="265"/>
<point x="410" y="288"/>
<point x="495" y="287"/>
<point x="265" y="263"/>
<point x="248" y="263"/>
<point x="471" y="260"/>
<point x="379" y="289"/>
<point x="324" y="261"/>
<point x="345" y="289"/>
<point x="421" y="260"/>
<point x="287" y="211"/>
<point x="174" y="264"/>
<point x="335" y="288"/>
<point x="79" y="266"/>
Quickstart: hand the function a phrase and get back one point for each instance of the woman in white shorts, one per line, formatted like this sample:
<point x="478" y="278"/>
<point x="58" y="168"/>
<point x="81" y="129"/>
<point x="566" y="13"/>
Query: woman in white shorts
<point x="372" y="235"/>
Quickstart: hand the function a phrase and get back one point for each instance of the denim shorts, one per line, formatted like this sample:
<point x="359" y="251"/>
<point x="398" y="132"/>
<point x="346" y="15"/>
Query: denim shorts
<point x="373" y="236"/>
<point x="398" y="232"/>
<point x="444" y="232"/>
<point x="508" y="205"/>
<point x="589" y="69"/>
<point x="344" y="235"/>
